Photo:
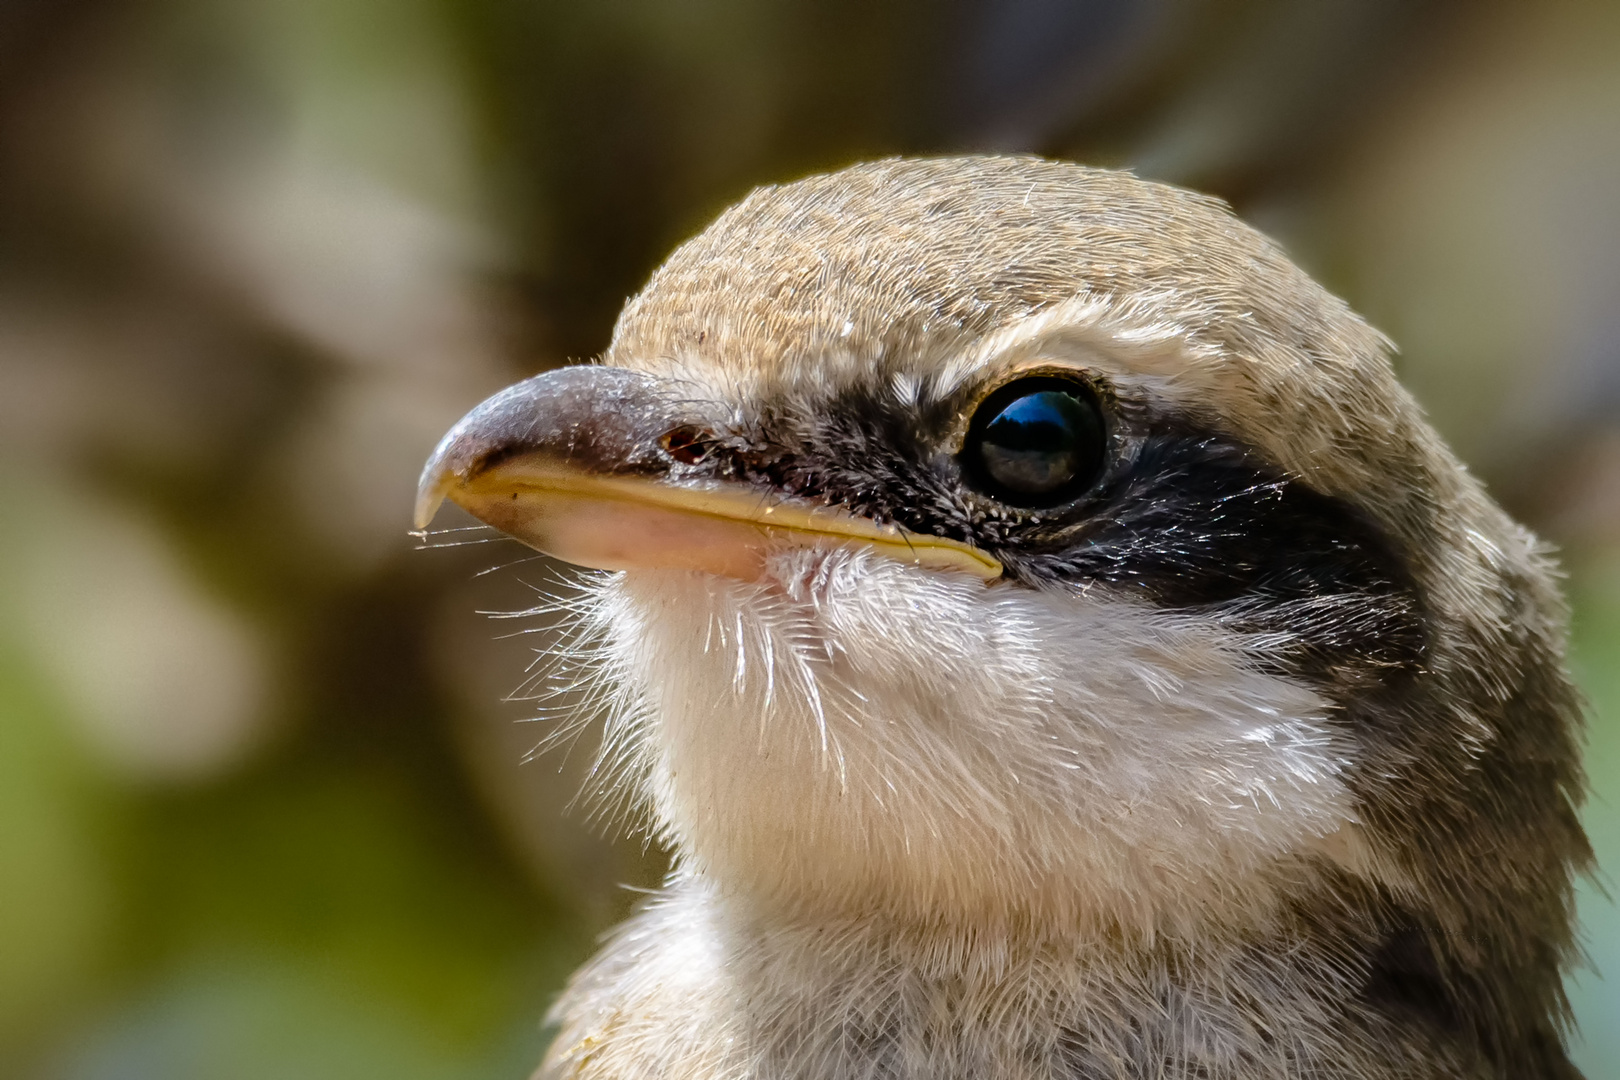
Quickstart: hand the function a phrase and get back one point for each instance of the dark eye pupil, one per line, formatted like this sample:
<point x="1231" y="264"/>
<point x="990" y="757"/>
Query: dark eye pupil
<point x="1037" y="442"/>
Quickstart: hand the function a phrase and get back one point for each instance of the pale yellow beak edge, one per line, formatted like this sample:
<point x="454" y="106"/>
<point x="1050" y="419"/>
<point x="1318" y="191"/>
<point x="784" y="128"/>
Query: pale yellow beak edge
<point x="625" y="522"/>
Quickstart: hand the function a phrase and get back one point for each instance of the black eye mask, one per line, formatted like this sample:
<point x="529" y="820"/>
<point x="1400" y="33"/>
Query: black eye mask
<point x="1145" y="505"/>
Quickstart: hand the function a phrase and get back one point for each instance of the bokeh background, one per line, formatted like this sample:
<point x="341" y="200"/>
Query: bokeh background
<point x="265" y="808"/>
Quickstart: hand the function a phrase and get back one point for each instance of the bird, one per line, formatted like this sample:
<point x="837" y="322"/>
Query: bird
<point x="1052" y="644"/>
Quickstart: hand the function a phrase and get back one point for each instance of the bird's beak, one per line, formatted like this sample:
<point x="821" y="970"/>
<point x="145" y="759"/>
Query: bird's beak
<point x="571" y="463"/>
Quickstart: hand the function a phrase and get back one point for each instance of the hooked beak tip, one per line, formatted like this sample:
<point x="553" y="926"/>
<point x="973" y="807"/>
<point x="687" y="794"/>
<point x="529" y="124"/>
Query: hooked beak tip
<point x="439" y="475"/>
<point x="428" y="500"/>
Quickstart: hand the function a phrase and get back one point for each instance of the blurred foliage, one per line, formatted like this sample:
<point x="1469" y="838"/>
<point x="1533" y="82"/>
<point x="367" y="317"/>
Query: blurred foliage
<point x="263" y="805"/>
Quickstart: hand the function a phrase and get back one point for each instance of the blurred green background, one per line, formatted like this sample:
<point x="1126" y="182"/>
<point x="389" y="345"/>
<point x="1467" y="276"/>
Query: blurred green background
<point x="264" y="804"/>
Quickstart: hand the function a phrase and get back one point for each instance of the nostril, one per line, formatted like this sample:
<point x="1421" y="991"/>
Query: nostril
<point x="687" y="445"/>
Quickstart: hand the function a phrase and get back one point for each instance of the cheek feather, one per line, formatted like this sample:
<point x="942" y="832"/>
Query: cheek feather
<point x="794" y="736"/>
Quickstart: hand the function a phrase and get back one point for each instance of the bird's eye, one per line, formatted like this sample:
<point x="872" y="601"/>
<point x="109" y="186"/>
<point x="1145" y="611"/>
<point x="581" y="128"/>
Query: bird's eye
<point x="1035" y="442"/>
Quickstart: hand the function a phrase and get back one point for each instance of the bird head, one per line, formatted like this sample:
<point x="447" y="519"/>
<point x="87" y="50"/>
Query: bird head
<point x="1000" y="542"/>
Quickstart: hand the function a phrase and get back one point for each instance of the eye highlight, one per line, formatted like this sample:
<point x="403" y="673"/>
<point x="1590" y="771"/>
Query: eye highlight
<point x="1036" y="442"/>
